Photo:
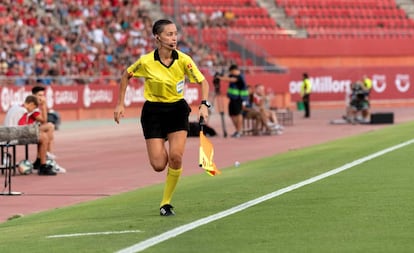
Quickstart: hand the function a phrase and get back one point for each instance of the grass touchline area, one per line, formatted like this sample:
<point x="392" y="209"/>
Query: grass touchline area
<point x="187" y="227"/>
<point x="361" y="210"/>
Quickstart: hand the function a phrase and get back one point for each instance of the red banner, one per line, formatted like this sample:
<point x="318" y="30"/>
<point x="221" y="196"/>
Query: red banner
<point x="331" y="84"/>
<point x="85" y="96"/>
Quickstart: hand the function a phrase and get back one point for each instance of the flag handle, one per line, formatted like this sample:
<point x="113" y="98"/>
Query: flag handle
<point x="202" y="123"/>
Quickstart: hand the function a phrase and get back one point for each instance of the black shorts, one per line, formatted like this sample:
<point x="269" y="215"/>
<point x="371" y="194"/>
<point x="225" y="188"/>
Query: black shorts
<point x="160" y="119"/>
<point x="235" y="107"/>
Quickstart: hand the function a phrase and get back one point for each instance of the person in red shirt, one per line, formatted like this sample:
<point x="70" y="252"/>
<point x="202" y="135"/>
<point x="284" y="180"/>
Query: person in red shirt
<point x="26" y="115"/>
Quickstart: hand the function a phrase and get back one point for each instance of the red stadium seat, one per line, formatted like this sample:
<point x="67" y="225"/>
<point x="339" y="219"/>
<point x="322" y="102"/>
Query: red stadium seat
<point x="347" y="14"/>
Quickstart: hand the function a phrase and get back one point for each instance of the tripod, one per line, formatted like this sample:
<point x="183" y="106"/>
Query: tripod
<point x="217" y="98"/>
<point x="7" y="176"/>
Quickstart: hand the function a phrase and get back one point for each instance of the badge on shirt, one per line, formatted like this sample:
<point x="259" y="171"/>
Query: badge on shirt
<point x="180" y="86"/>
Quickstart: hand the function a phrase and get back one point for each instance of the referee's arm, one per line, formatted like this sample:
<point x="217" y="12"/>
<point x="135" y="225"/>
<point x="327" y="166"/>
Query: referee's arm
<point x="203" y="110"/>
<point x="205" y="88"/>
<point x="119" y="110"/>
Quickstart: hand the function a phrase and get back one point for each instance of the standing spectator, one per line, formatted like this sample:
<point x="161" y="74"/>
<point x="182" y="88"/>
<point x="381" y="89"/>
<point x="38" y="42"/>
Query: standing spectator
<point x="305" y="91"/>
<point x="237" y="93"/>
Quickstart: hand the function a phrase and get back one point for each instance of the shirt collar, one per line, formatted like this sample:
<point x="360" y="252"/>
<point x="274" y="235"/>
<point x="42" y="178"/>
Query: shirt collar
<point x="174" y="55"/>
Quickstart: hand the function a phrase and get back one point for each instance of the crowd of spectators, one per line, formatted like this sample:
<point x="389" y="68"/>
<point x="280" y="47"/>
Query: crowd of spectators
<point x="83" y="41"/>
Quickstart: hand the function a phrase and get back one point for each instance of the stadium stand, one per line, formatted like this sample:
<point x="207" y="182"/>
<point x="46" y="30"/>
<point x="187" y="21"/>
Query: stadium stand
<point x="69" y="42"/>
<point x="46" y="39"/>
<point x="214" y="22"/>
<point x="85" y="41"/>
<point x="339" y="18"/>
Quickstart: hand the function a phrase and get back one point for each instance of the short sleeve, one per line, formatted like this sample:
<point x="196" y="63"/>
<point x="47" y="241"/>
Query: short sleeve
<point x="193" y="73"/>
<point x="135" y="69"/>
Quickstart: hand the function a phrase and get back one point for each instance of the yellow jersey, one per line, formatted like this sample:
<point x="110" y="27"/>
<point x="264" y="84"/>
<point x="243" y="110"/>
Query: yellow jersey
<point x="306" y="87"/>
<point x="165" y="83"/>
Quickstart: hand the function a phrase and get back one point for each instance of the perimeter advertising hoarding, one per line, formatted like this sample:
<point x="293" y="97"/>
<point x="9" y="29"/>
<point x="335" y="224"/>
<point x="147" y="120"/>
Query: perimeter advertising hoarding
<point x="329" y="84"/>
<point x="332" y="84"/>
<point x="84" y="96"/>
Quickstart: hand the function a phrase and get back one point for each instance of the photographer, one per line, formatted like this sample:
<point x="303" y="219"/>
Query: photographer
<point x="237" y="93"/>
<point x="359" y="104"/>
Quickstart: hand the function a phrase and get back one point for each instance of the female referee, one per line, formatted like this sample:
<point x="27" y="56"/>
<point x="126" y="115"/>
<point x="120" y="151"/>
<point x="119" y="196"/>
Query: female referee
<point x="165" y="112"/>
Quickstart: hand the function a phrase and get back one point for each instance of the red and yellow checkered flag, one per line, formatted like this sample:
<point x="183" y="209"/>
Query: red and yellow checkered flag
<point x="206" y="157"/>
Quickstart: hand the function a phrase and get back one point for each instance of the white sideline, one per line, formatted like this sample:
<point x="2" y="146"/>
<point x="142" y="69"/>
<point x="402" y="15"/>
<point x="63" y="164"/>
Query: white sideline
<point x="187" y="227"/>
<point x="94" y="233"/>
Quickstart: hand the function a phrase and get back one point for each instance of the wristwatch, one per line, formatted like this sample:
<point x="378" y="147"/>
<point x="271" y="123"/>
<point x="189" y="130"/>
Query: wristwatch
<point x="206" y="103"/>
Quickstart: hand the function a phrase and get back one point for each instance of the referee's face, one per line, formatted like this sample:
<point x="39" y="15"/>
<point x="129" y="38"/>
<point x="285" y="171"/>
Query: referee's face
<point x="169" y="36"/>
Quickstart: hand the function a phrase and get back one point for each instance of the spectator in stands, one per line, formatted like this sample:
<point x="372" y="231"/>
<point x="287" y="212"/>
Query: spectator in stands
<point x="217" y="18"/>
<point x="305" y="91"/>
<point x="190" y="18"/>
<point x="165" y="112"/>
<point x="24" y="115"/>
<point x="237" y="93"/>
<point x="229" y="17"/>
<point x="4" y="67"/>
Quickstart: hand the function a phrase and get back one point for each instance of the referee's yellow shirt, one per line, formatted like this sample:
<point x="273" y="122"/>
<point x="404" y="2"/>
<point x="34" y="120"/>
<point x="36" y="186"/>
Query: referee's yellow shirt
<point x="165" y="83"/>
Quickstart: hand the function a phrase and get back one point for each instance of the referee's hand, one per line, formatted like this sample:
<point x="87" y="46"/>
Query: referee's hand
<point x="119" y="113"/>
<point x="203" y="112"/>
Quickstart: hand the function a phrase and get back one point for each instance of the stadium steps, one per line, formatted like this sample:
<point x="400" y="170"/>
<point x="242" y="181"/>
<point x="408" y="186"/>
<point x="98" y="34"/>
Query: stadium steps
<point x="407" y="6"/>
<point x="155" y="8"/>
<point x="278" y="15"/>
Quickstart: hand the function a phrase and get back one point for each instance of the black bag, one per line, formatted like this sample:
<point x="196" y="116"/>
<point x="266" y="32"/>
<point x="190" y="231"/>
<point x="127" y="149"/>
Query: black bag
<point x="194" y="130"/>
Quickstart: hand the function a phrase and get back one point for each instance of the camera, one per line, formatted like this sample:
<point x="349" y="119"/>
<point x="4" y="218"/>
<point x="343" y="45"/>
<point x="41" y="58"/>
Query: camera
<point x="358" y="92"/>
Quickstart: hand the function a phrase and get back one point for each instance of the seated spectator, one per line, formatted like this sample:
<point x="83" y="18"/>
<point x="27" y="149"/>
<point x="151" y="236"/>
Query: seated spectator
<point x="250" y="113"/>
<point x="229" y="17"/>
<point x="269" y="118"/>
<point x="46" y="126"/>
<point x="24" y="115"/>
<point x="41" y="118"/>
